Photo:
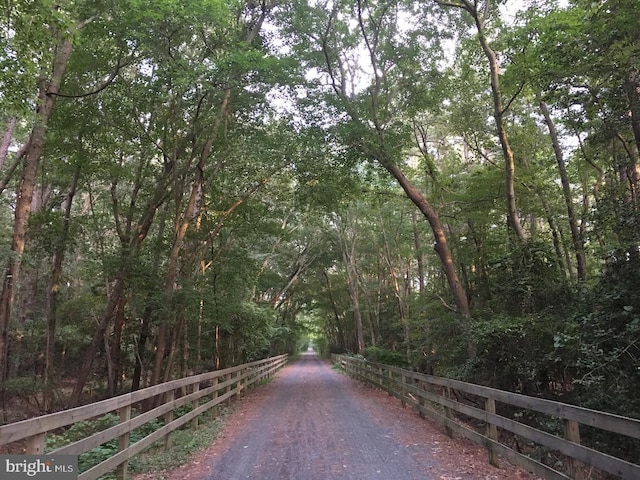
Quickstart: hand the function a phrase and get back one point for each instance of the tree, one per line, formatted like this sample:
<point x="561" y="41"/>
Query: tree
<point x="379" y="117"/>
<point x="58" y="48"/>
<point x="481" y="15"/>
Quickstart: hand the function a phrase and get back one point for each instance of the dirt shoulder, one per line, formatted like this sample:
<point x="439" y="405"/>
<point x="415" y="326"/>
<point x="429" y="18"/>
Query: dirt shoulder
<point x="314" y="423"/>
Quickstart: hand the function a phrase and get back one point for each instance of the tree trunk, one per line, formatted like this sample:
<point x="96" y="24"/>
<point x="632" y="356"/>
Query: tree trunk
<point x="348" y="247"/>
<point x="441" y="246"/>
<point x="48" y="89"/>
<point x="498" y="115"/>
<point x="6" y="140"/>
<point x="576" y="237"/>
<point x="633" y="93"/>
<point x="136" y="381"/>
<point x="54" y="288"/>
<point x="92" y="350"/>
<point x="176" y="336"/>
<point x="116" y="347"/>
<point x="129" y="250"/>
<point x="400" y="287"/>
<point x="557" y="243"/>
<point x="181" y="224"/>
<point x="498" y="110"/>
<point x="336" y="314"/>
<point x="417" y="243"/>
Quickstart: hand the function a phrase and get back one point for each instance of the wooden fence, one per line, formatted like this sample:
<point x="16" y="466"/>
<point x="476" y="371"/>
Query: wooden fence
<point x="219" y="386"/>
<point x="438" y="398"/>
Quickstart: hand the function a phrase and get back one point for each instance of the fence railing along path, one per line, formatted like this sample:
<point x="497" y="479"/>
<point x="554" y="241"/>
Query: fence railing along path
<point x="438" y="399"/>
<point x="218" y="386"/>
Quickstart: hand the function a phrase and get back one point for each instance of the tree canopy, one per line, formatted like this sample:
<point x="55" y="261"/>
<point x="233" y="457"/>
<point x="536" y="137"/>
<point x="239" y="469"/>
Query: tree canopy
<point x="446" y="185"/>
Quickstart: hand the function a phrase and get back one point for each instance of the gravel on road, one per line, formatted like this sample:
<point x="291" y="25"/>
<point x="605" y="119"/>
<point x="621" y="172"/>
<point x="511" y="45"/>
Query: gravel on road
<point x="314" y="423"/>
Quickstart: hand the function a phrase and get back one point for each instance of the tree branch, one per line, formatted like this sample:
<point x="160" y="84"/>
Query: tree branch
<point x="106" y="83"/>
<point x="445" y="304"/>
<point x="512" y="99"/>
<point x="12" y="168"/>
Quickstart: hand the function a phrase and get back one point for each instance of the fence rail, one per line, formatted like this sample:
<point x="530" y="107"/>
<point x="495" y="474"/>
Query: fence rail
<point x="437" y="398"/>
<point x="218" y="385"/>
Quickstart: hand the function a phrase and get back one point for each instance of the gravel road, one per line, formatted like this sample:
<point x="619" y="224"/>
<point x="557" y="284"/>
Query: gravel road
<point x="313" y="423"/>
<point x="313" y="429"/>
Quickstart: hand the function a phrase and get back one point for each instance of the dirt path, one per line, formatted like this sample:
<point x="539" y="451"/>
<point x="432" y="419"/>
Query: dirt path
<point x="313" y="423"/>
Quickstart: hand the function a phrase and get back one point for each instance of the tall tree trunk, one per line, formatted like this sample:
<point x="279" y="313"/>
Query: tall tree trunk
<point x="348" y="243"/>
<point x="400" y="287"/>
<point x="498" y="115"/>
<point x="498" y="109"/>
<point x="633" y="93"/>
<point x="48" y="89"/>
<point x="141" y="345"/>
<point x="129" y="251"/>
<point x="483" y="286"/>
<point x="557" y="243"/>
<point x="576" y="237"/>
<point x="441" y="245"/>
<point x="98" y="337"/>
<point x="217" y="347"/>
<point x="54" y="288"/>
<point x="116" y="347"/>
<point x="176" y="336"/>
<point x="181" y="225"/>
<point x="417" y="243"/>
<point x="336" y="314"/>
<point x="6" y="140"/>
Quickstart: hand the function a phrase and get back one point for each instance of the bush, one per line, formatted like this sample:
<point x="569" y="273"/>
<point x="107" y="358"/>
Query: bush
<point x="601" y="347"/>
<point x="513" y="353"/>
<point x="103" y="452"/>
<point x="386" y="356"/>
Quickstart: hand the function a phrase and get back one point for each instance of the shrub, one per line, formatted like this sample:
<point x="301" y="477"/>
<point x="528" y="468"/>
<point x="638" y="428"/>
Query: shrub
<point x="386" y="356"/>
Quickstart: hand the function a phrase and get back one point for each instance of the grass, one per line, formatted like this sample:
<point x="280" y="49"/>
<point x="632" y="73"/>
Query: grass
<point x="185" y="443"/>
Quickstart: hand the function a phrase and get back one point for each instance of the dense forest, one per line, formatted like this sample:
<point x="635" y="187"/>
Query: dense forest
<point x="447" y="185"/>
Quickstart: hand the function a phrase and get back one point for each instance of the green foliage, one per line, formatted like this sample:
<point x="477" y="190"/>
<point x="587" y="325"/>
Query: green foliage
<point x="601" y="348"/>
<point x="186" y="442"/>
<point x="383" y="355"/>
<point x="338" y="367"/>
<point x="512" y="353"/>
<point x="82" y="430"/>
<point x="22" y="386"/>
<point x="527" y="279"/>
<point x="80" y="313"/>
<point x="103" y="452"/>
<point x="301" y="169"/>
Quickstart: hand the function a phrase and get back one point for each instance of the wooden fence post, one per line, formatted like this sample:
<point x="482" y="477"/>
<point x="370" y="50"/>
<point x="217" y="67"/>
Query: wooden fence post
<point x="492" y="431"/>
<point x="196" y="404"/>
<point x="572" y="432"/>
<point x="422" y="404"/>
<point x="215" y="394"/>
<point x="227" y="378"/>
<point x="35" y="444"/>
<point x="123" y="442"/>
<point x="403" y="391"/>
<point x="447" y="413"/>
<point x="168" y="418"/>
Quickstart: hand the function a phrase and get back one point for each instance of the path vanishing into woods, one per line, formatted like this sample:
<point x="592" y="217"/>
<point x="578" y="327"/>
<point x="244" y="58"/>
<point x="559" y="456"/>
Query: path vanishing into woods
<point x="314" y="423"/>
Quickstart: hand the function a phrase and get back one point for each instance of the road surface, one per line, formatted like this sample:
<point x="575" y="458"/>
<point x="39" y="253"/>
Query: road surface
<point x="313" y="423"/>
